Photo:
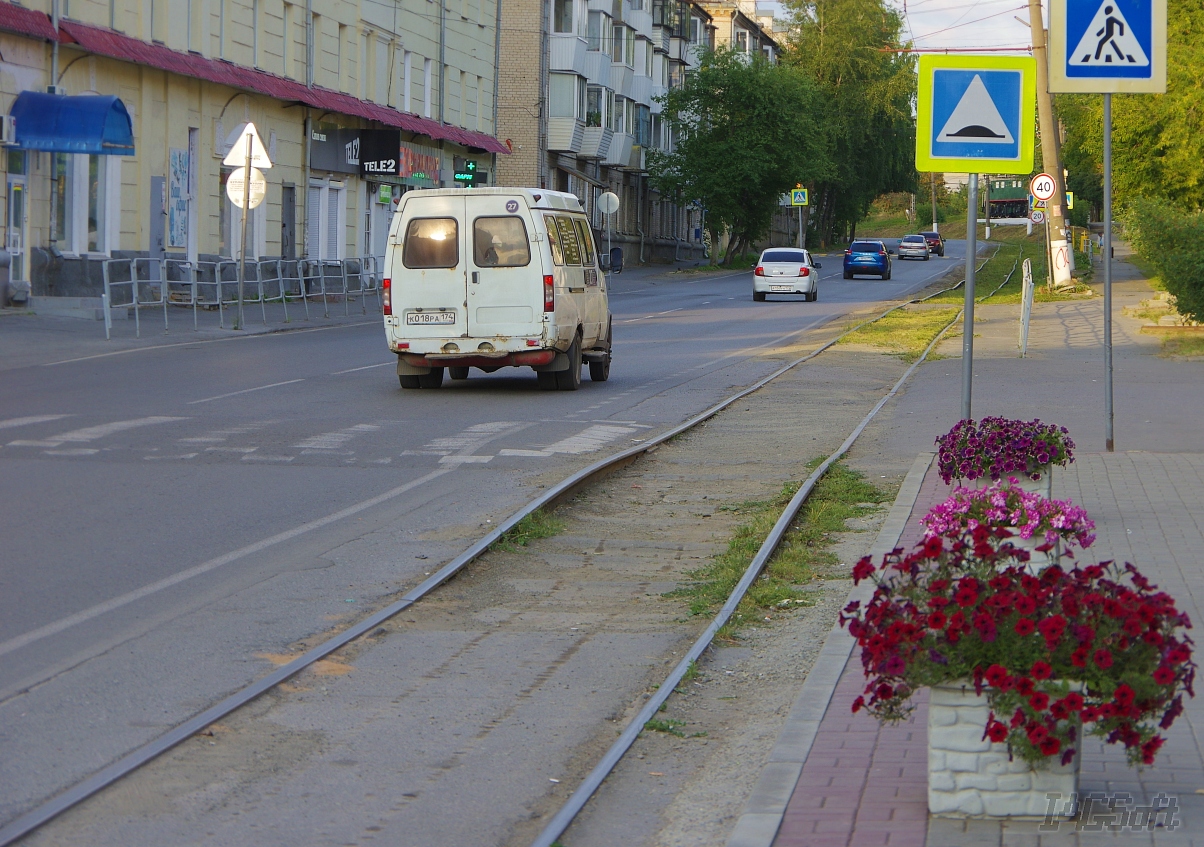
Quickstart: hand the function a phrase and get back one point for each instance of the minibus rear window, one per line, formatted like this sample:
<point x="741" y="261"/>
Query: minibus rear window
<point x="500" y="242"/>
<point x="431" y="243"/>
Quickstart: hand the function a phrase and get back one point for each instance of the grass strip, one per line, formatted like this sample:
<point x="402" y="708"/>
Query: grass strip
<point x="803" y="554"/>
<point x="1189" y="346"/>
<point x="904" y="332"/>
<point x="538" y="524"/>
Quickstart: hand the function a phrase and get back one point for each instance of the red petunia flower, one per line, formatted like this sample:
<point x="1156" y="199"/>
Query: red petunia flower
<point x="1039" y="700"/>
<point x="1037" y="733"/>
<point x="1025" y="605"/>
<point x="1041" y="670"/>
<point x="1164" y="675"/>
<point x="997" y="732"/>
<point x="1124" y="694"/>
<point x="1025" y="626"/>
<point x="996" y="674"/>
<point x="1073" y="701"/>
<point x="1103" y="658"/>
<point x="937" y="620"/>
<point x="1024" y="686"/>
<point x="1050" y="746"/>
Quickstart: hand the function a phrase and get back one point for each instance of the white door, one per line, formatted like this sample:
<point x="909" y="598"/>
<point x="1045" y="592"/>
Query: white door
<point x="429" y="270"/>
<point x="505" y="285"/>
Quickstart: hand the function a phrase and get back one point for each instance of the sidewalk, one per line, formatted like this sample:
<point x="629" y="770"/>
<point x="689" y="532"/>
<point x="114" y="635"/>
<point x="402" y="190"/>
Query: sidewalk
<point x="862" y="784"/>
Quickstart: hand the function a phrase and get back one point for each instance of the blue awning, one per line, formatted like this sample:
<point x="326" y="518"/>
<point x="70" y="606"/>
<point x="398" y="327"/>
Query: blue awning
<point x="81" y="124"/>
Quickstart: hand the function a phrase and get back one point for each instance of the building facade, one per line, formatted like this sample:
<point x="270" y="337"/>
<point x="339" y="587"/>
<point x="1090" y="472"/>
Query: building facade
<point x="578" y="108"/>
<point x="356" y="102"/>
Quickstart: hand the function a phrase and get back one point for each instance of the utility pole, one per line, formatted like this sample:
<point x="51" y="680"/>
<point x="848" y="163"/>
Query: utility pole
<point x="1059" y="249"/>
<point x="934" y="229"/>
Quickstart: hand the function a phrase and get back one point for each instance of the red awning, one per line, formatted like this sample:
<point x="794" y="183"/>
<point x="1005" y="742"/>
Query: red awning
<point x="105" y="42"/>
<point x="23" y="21"/>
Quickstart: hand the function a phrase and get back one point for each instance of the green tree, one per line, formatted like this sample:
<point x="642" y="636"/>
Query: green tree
<point x="849" y="48"/>
<point x="745" y="135"/>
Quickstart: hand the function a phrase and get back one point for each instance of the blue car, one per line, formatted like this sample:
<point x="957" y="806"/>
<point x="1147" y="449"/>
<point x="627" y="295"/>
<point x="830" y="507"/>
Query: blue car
<point x="867" y="257"/>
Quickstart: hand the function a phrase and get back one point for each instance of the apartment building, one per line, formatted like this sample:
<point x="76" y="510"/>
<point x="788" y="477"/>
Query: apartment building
<point x="578" y="108"/>
<point x="356" y="102"/>
<point x="744" y="25"/>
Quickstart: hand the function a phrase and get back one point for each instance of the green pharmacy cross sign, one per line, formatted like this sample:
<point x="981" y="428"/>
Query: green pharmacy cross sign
<point x="466" y="172"/>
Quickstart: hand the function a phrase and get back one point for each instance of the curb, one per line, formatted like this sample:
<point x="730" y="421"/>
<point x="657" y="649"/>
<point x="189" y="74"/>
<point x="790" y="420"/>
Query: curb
<point x="758" y="826"/>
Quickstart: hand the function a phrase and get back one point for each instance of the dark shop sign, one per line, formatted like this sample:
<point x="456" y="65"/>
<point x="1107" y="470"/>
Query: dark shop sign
<point x="369" y="152"/>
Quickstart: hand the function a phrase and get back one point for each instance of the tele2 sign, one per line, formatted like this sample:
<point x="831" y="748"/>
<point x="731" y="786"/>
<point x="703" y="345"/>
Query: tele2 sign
<point x="976" y="114"/>
<point x="1107" y="46"/>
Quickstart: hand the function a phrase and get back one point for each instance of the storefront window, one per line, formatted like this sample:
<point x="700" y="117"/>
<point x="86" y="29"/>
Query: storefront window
<point x="61" y="174"/>
<point x="96" y="204"/>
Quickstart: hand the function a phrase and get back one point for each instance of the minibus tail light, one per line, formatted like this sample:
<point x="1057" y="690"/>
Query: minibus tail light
<point x="386" y="295"/>
<point x="549" y="293"/>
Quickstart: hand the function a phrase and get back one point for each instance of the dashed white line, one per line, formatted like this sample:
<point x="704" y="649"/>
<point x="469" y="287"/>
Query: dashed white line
<point x="31" y="419"/>
<point x="364" y="368"/>
<point x="244" y="391"/>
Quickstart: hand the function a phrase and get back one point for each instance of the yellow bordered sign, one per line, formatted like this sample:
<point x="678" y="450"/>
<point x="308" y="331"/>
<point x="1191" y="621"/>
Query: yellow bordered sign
<point x="798" y="197"/>
<point x="1107" y="46"/>
<point x="976" y="114"/>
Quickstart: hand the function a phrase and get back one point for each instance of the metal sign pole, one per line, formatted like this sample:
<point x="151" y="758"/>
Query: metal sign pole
<point x="1108" y="434"/>
<point x="968" y="320"/>
<point x="246" y="202"/>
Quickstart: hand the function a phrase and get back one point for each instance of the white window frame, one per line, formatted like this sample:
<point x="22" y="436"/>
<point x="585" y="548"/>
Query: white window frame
<point x="75" y="229"/>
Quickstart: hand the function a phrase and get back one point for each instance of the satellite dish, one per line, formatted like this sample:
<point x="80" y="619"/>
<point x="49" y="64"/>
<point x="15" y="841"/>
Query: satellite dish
<point x="608" y="203"/>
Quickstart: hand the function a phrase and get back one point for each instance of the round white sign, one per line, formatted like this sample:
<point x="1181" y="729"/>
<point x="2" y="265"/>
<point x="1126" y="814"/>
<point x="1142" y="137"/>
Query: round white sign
<point x="235" y="188"/>
<point x="608" y="203"/>
<point x="1042" y="186"/>
<point x="1038" y="217"/>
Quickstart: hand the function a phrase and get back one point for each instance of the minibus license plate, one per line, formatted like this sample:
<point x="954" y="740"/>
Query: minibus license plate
<point x="420" y="318"/>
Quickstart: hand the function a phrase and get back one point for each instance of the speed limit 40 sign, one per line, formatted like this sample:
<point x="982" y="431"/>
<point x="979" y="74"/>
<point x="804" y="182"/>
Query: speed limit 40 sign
<point x="1042" y="186"/>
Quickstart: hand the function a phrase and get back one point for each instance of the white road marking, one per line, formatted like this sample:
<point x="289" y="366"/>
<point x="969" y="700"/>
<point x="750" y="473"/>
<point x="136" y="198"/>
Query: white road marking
<point x="465" y="460"/>
<point x="532" y="454"/>
<point x="588" y="440"/>
<point x="334" y="440"/>
<point x="92" y="433"/>
<point x="244" y="391"/>
<point x="467" y="441"/>
<point x="231" y="449"/>
<point x="658" y="314"/>
<point x="181" y="456"/>
<point x="32" y="419"/>
<point x="364" y="368"/>
<point x="75" y="451"/>
<point x="271" y="335"/>
<point x="205" y="567"/>
<point x="262" y="458"/>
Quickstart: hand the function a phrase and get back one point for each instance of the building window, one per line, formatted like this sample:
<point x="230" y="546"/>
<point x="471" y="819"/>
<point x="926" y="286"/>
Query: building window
<point x="595" y="106"/>
<point x="616" y="114"/>
<point x="629" y="50"/>
<point x="562" y="15"/>
<point x="695" y="29"/>
<point x="600" y="32"/>
<point x="407" y="69"/>
<point x="741" y="41"/>
<point x="427" y="70"/>
<point x="619" y="45"/>
<point x="61" y="167"/>
<point x="566" y="96"/>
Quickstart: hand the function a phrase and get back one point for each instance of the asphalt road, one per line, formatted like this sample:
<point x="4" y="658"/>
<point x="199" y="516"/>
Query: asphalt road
<point x="176" y="514"/>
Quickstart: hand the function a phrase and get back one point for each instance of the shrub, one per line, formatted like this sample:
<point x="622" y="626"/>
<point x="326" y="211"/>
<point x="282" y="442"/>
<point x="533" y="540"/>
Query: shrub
<point x="1170" y="241"/>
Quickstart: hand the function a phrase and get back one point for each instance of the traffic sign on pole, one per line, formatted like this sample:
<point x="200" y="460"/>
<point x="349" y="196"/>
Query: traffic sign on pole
<point x="1042" y="186"/>
<point x="238" y="148"/>
<point x="1107" y="46"/>
<point x="798" y="197"/>
<point x="975" y="114"/>
<point x="253" y="194"/>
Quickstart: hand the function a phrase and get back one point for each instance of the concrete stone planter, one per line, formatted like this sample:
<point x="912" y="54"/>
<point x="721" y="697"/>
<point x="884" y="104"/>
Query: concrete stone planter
<point x="971" y="777"/>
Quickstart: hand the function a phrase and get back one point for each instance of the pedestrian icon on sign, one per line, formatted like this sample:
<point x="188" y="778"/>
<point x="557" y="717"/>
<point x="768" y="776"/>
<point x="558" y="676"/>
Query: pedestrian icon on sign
<point x="1109" y="40"/>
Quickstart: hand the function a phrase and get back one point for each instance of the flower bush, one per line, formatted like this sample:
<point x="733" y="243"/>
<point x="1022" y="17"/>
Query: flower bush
<point x="1004" y="505"/>
<point x="996" y="447"/>
<point x="1092" y="650"/>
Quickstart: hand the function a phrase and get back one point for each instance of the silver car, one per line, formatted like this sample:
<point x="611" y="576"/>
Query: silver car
<point x="786" y="270"/>
<point x="913" y="247"/>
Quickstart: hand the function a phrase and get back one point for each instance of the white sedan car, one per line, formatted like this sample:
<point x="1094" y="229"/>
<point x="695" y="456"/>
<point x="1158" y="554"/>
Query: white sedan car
<point x="786" y="270"/>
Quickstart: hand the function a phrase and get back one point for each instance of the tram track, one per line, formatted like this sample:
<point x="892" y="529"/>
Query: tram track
<point x="554" y="495"/>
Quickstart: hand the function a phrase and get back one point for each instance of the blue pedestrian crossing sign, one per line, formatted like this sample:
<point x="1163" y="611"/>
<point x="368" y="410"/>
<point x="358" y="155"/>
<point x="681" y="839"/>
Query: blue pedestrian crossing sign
<point x="976" y="114"/>
<point x="1107" y="46"/>
<point x="798" y="197"/>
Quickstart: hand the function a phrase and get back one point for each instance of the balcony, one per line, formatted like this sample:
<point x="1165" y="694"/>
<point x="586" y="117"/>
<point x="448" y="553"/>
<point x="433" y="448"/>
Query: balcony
<point x="641" y="89"/>
<point x="619" y="154"/>
<point x="621" y="78"/>
<point x="568" y="53"/>
<point x="597" y="68"/>
<point x="565" y="135"/>
<point x="595" y="143"/>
